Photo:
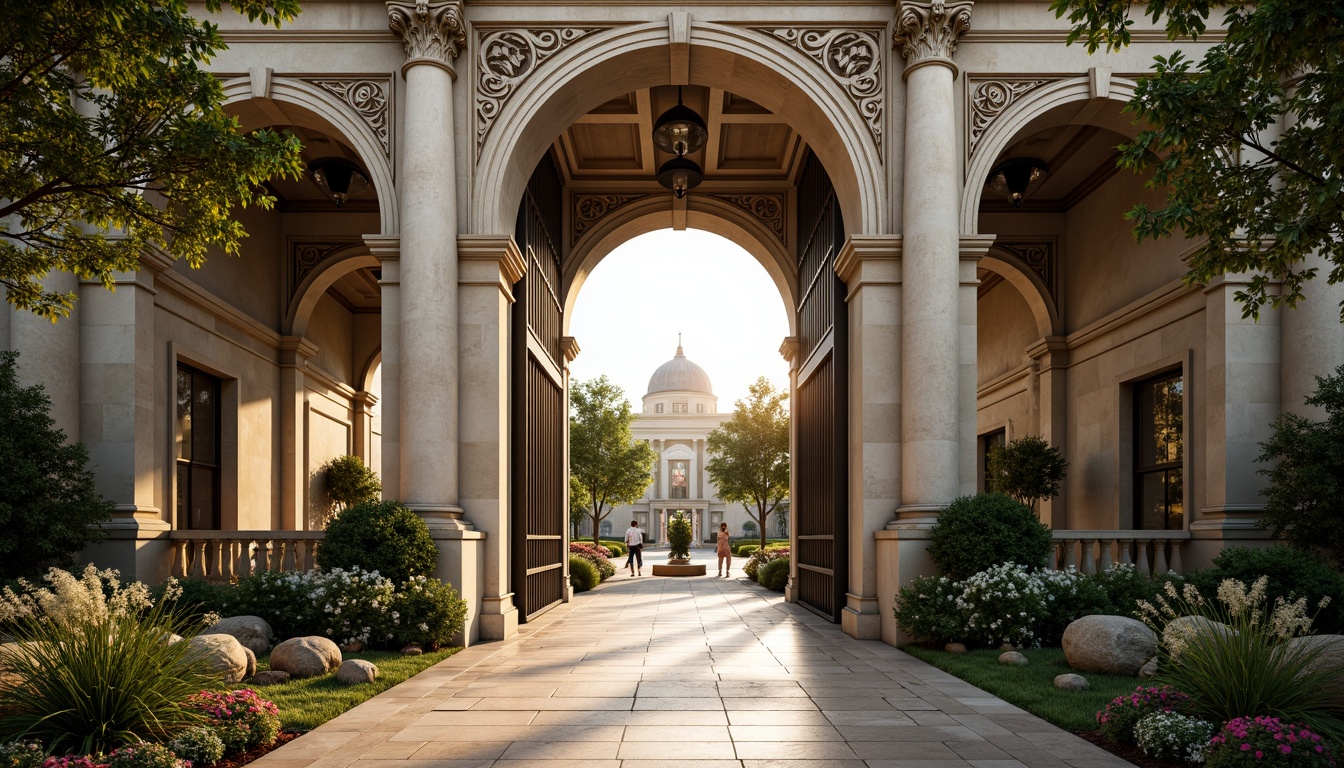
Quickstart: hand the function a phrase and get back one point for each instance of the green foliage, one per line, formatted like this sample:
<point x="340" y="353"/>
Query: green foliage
<point x="143" y="755"/>
<point x="927" y="609"/>
<point x="241" y="718"/>
<point x="49" y="505"/>
<point x="1069" y="596"/>
<point x="608" y="464"/>
<point x="578" y="506"/>
<point x="340" y="604"/>
<point x="748" y="527"/>
<point x="1028" y="469"/>
<point x="379" y="536"/>
<point x="750" y="454"/>
<point x="1125" y="588"/>
<point x="1304" y="503"/>
<point x="430" y="614"/>
<point x="1292" y="573"/>
<point x="977" y="532"/>
<point x="93" y="685"/>
<point x="1173" y="736"/>
<point x="349" y="482"/>
<point x="582" y="574"/>
<point x="760" y="557"/>
<point x="679" y="537"/>
<point x="1247" y="143"/>
<point x="200" y="745"/>
<point x="617" y="548"/>
<point x="747" y="549"/>
<point x="774" y="575"/>
<point x="197" y="597"/>
<point x="109" y="123"/>
<point x="1118" y="719"/>
<point x="18" y="754"/>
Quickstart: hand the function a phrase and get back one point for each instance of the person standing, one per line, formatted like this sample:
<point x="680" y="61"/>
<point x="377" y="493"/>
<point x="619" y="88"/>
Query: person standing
<point x="634" y="541"/>
<point x="725" y="551"/>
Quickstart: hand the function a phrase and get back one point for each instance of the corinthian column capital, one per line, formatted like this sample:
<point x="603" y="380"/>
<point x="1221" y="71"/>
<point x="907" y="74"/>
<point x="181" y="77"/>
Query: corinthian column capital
<point x="433" y="30"/>
<point x="927" y="32"/>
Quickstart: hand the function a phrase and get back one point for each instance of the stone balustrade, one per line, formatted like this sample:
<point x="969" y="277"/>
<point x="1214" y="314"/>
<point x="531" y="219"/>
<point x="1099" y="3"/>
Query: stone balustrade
<point x="225" y="555"/>
<point x="1093" y="551"/>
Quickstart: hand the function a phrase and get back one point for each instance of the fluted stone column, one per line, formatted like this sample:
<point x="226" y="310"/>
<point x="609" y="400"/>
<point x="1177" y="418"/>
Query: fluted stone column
<point x="434" y="33"/>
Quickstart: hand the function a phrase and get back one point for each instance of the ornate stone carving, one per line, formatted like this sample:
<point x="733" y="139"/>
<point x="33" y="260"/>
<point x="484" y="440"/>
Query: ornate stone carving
<point x="507" y="57"/>
<point x="429" y="30"/>
<point x="930" y="30"/>
<point x="304" y="255"/>
<point x="852" y="57"/>
<point x="1039" y="256"/>
<point x="989" y="98"/>
<point x="770" y="210"/>
<point x="590" y="209"/>
<point x="369" y="98"/>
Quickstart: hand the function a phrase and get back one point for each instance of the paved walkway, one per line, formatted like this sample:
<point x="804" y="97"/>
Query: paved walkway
<point x="692" y="673"/>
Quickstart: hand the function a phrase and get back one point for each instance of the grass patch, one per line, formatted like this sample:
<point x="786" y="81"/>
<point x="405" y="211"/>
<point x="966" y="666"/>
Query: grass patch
<point x="1032" y="687"/>
<point x="308" y="703"/>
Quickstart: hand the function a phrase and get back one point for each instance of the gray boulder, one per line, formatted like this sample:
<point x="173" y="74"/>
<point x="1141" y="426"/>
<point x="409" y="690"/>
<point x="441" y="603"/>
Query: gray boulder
<point x="1013" y="659"/>
<point x="1071" y="682"/>
<point x="251" y="631"/>
<point x="356" y="671"/>
<point x="306" y="656"/>
<point x="1113" y="645"/>
<point x="223" y="654"/>
<point x="1331" y="656"/>
<point x="1183" y="630"/>
<point x="270" y="677"/>
<point x="1149" y="670"/>
<point x="251" y="661"/>
<point x="954" y="648"/>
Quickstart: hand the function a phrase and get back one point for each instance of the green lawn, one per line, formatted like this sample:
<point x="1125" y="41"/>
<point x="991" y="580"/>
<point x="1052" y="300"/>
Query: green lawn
<point x="1032" y="687"/>
<point x="306" y="704"/>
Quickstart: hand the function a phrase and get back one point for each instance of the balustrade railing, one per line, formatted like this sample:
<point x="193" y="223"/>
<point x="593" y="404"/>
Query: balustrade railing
<point x="1092" y="551"/>
<point x="225" y="555"/>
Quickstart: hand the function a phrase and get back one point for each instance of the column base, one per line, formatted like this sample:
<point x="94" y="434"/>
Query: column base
<point x="861" y="617"/>
<point x="902" y="556"/>
<point x="137" y="545"/>
<point x="499" y="618"/>
<point x="462" y="564"/>
<point x="1220" y="528"/>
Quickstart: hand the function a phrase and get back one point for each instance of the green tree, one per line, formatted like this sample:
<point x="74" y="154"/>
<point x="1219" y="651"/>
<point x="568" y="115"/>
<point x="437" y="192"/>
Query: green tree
<point x="751" y="453"/>
<point x="114" y="141"/>
<point x="49" y="506"/>
<point x="1304" y="503"/>
<point x="1248" y="143"/>
<point x="350" y="482"/>
<point x="1028" y="469"/>
<point x="609" y="465"/>
<point x="578" y="506"/>
<point x="679" y="537"/>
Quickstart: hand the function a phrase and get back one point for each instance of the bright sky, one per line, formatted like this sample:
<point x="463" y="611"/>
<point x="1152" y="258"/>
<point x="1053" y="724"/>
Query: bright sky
<point x="713" y="292"/>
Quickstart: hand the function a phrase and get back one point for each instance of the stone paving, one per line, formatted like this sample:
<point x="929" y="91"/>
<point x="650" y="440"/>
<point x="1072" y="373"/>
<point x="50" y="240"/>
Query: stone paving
<point x="695" y="673"/>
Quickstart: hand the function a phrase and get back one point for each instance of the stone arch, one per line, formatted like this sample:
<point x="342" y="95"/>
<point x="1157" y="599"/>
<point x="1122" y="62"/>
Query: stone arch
<point x="703" y="213"/>
<point x="322" y="276"/>
<point x="610" y="64"/>
<point x="312" y="107"/>
<point x="1034" y="291"/>
<point x="1033" y="109"/>
<point x="370" y="367"/>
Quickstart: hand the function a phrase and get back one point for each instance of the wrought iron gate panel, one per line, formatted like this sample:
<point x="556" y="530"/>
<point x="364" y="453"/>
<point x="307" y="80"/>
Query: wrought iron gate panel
<point x="537" y="462"/>
<point x="821" y="501"/>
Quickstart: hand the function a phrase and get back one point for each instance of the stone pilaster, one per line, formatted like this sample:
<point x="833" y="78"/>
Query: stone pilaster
<point x="870" y="266"/>
<point x="387" y="249"/>
<point x="488" y="267"/>
<point x="972" y="248"/>
<point x="569" y="350"/>
<point x="1050" y="360"/>
<point x="45" y="353"/>
<point x="790" y="350"/>
<point x="295" y="352"/>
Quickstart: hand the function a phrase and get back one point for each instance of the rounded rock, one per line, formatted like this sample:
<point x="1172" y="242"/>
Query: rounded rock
<point x="411" y="650"/>
<point x="1183" y="629"/>
<point x="356" y="671"/>
<point x="1013" y="659"/>
<point x="1071" y="682"/>
<point x="1328" y="653"/>
<point x="306" y="656"/>
<point x="1113" y="645"/>
<point x="251" y="661"/>
<point x="270" y="677"/>
<point x="1149" y="670"/>
<point x="954" y="648"/>
<point x="251" y="631"/>
<point x="223" y="654"/>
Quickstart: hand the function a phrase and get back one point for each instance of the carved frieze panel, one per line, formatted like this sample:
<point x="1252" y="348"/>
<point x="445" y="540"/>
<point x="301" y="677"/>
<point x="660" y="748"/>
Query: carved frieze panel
<point x="851" y="57"/>
<point x="370" y="97"/>
<point x="507" y="57"/>
<point x="591" y="209"/>
<point x="770" y="210"/>
<point x="990" y="98"/>
<point x="1039" y="256"/>
<point x="305" y="254"/>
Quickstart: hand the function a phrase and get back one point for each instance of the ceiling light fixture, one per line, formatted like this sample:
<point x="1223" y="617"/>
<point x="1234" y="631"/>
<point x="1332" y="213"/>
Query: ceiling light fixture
<point x="1017" y="178"/>
<point x="337" y="178"/>
<point x="680" y="130"/>
<point x="680" y="175"/>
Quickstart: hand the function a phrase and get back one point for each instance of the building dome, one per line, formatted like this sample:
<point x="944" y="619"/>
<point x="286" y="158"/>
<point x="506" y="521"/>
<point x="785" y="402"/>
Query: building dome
<point x="679" y="375"/>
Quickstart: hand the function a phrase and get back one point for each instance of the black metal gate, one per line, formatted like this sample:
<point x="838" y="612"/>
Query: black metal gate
<point x="538" y="409"/>
<point x="821" y="500"/>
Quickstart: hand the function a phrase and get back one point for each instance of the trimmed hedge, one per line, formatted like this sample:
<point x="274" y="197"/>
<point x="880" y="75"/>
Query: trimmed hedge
<point x="978" y="532"/>
<point x="618" y="548"/>
<point x="381" y="536"/>
<point x="1292" y="573"/>
<point x="774" y="575"/>
<point x="582" y="574"/>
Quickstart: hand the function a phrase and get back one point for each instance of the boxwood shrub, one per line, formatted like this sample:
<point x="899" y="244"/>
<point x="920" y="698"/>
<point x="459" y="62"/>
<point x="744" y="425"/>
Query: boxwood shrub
<point x="978" y="532"/>
<point x="381" y="536"/>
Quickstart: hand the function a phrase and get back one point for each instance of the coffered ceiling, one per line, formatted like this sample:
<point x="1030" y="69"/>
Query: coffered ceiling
<point x="614" y="143"/>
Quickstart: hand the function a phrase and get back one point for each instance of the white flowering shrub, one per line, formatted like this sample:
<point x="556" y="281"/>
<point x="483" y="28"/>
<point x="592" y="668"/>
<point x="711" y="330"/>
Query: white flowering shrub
<point x="1003" y="604"/>
<point x="344" y="605"/>
<point x="927" y="608"/>
<point x="1068" y="596"/>
<point x="72" y="600"/>
<point x="1173" y="736"/>
<point x="427" y="612"/>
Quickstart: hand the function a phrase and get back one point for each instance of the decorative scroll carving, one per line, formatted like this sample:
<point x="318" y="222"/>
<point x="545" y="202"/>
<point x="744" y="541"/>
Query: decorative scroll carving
<point x="1039" y="256"/>
<point x="505" y="59"/>
<point x="304" y="255"/>
<point x="930" y="30"/>
<point x="590" y="209"/>
<point x="429" y="30"/>
<point x="852" y="57"/>
<point x="367" y="97"/>
<point x="770" y="210"/>
<point x="990" y="98"/>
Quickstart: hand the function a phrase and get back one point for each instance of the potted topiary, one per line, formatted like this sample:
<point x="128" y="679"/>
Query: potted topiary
<point x="679" y="540"/>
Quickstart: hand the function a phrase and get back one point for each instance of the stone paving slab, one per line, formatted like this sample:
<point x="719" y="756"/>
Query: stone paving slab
<point x="697" y="672"/>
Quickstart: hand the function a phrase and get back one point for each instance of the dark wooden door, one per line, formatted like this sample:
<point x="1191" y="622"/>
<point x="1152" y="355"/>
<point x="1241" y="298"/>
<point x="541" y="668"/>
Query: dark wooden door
<point x="821" y="504"/>
<point x="537" y="463"/>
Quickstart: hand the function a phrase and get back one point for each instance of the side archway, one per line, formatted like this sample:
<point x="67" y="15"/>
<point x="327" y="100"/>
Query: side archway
<point x="317" y="280"/>
<point x="1028" y="283"/>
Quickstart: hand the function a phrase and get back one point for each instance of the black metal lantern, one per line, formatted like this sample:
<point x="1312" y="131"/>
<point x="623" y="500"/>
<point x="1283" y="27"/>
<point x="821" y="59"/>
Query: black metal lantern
<point x="679" y="175"/>
<point x="1017" y="178"/>
<point x="338" y="178"/>
<point x="679" y="130"/>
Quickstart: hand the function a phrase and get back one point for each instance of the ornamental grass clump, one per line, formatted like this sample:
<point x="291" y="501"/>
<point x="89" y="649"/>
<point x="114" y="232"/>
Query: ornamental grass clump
<point x="1248" y="666"/>
<point x="1119" y="719"/>
<point x="240" y="718"/>
<point x="1267" y="742"/>
<point x="1173" y="736"/>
